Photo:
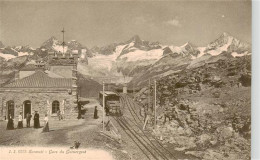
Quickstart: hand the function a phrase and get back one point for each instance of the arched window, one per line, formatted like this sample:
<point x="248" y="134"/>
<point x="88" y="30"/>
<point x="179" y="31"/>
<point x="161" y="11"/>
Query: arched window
<point x="10" y="108"/>
<point x="55" y="106"/>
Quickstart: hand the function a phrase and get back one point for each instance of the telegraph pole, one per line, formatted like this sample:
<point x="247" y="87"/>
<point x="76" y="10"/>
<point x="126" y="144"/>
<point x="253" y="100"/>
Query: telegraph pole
<point x="149" y="96"/>
<point x="134" y="91"/>
<point x="155" y="104"/>
<point x="63" y="43"/>
<point x="103" y="106"/>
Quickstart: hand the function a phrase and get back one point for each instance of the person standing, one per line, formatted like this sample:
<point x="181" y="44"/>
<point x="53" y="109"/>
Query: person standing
<point x="95" y="113"/>
<point x="46" y="124"/>
<point x="20" y="121"/>
<point x="62" y="115"/>
<point x="36" y="119"/>
<point x="10" y="123"/>
<point x="28" y="119"/>
<point x="58" y="114"/>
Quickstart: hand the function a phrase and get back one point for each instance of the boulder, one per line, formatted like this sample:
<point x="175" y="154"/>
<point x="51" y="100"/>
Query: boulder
<point x="225" y="133"/>
<point x="203" y="139"/>
<point x="245" y="80"/>
<point x="198" y="154"/>
<point x="187" y="142"/>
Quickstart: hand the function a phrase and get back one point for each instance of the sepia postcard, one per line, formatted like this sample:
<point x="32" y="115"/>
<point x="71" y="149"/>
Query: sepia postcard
<point x="125" y="80"/>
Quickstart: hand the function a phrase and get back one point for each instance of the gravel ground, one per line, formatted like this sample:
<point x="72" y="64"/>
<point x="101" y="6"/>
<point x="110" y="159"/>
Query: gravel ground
<point x="63" y="134"/>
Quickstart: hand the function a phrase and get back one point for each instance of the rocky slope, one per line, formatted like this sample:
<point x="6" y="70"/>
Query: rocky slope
<point x="189" y="56"/>
<point x="206" y="110"/>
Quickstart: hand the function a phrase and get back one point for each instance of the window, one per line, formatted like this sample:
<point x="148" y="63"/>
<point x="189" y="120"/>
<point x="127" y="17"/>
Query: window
<point x="55" y="106"/>
<point x="10" y="108"/>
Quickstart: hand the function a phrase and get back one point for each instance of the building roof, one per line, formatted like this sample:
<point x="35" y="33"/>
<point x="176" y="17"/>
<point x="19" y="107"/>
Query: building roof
<point x="40" y="80"/>
<point x="29" y="67"/>
<point x="108" y="93"/>
<point x="52" y="74"/>
<point x="61" y="61"/>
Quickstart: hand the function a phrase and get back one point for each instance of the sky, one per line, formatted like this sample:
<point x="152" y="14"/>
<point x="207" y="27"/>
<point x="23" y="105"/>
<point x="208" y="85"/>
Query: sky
<point x="102" y="23"/>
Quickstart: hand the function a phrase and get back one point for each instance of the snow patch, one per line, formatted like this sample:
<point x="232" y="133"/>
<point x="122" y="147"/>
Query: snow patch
<point x="106" y="61"/>
<point x="7" y="56"/>
<point x="75" y="51"/>
<point x="18" y="47"/>
<point x="23" y="53"/>
<point x="235" y="54"/>
<point x="130" y="45"/>
<point x="219" y="50"/>
<point x="176" y="49"/>
<point x="202" y="51"/>
<point x="83" y="50"/>
<point x="59" y="48"/>
<point x="143" y="55"/>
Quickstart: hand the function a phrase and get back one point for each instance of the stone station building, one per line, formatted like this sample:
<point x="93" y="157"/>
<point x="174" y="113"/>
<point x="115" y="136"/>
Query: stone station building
<point x="48" y="87"/>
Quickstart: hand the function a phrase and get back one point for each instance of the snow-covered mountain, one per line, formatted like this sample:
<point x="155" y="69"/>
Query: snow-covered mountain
<point x="187" y="49"/>
<point x="134" y="57"/>
<point x="122" y="58"/>
<point x="227" y="43"/>
<point x="53" y="44"/>
<point x="188" y="56"/>
<point x="8" y="52"/>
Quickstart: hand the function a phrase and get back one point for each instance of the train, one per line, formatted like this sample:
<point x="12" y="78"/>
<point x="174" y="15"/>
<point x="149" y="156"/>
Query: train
<point x="112" y="103"/>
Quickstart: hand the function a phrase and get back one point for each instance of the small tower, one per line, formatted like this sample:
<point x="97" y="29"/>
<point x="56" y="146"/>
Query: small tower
<point x="125" y="88"/>
<point x="40" y="65"/>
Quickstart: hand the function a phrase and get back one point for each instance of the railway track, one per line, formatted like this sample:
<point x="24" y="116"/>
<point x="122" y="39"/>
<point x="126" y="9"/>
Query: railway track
<point x="144" y="140"/>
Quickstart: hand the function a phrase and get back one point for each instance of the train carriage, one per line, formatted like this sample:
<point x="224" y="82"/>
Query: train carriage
<point x="112" y="102"/>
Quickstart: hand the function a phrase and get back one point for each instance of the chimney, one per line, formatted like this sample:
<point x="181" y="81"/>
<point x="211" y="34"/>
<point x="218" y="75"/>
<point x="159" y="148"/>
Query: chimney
<point x="75" y="55"/>
<point x="16" y="75"/>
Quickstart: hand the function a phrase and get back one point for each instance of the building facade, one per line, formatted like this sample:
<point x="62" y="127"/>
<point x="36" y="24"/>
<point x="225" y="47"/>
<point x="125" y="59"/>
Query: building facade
<point x="49" y="87"/>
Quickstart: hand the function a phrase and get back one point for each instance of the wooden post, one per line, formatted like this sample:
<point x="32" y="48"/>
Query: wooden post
<point x="149" y="95"/>
<point x="155" y="104"/>
<point x="146" y="120"/>
<point x="134" y="90"/>
<point x="103" y="117"/>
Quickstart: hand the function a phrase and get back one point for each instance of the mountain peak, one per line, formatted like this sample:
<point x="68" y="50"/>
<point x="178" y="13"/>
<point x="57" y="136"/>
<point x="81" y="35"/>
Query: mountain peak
<point x="135" y="39"/>
<point x="1" y="45"/>
<point x="50" y="42"/>
<point x="187" y="44"/>
<point x="225" y="34"/>
<point x="53" y="38"/>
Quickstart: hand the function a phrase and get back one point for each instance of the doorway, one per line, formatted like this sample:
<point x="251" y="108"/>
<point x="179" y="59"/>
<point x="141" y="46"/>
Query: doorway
<point x="10" y="108"/>
<point x="27" y="108"/>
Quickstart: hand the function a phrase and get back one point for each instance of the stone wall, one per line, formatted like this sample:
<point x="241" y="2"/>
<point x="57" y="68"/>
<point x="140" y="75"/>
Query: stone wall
<point x="39" y="101"/>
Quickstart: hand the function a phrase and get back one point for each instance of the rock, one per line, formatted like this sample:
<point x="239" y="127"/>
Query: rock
<point x="188" y="132"/>
<point x="213" y="142"/>
<point x="198" y="154"/>
<point x="187" y="142"/>
<point x="245" y="80"/>
<point x="225" y="133"/>
<point x="211" y="154"/>
<point x="180" y="148"/>
<point x="221" y="110"/>
<point x="203" y="139"/>
<point x="180" y="131"/>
